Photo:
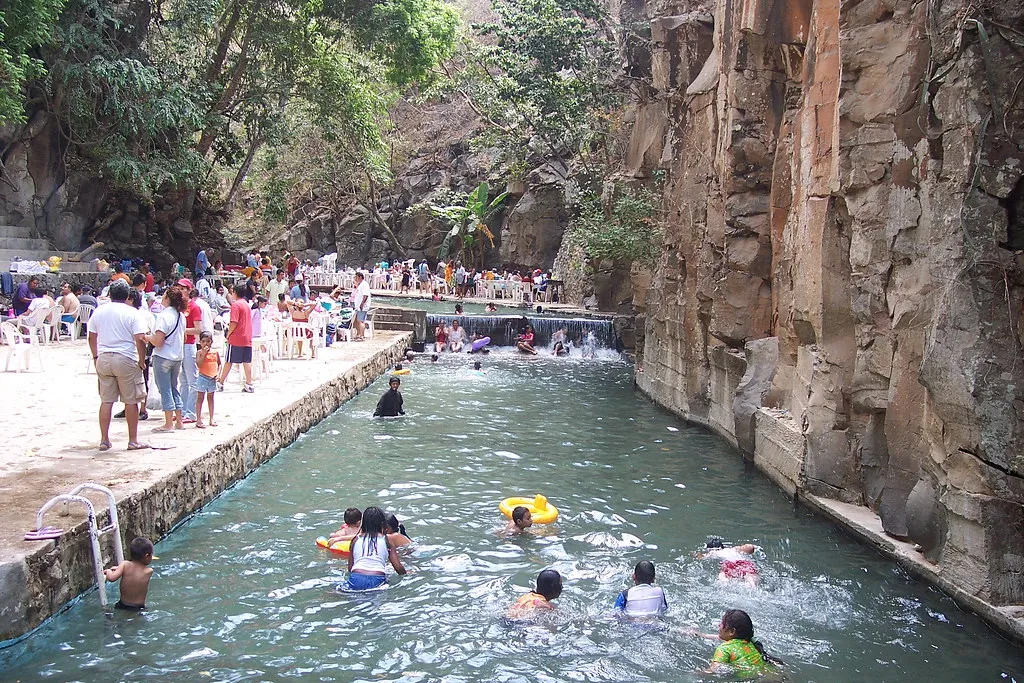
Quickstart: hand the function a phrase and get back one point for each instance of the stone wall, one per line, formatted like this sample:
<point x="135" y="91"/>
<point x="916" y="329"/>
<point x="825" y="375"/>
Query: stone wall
<point x="841" y="290"/>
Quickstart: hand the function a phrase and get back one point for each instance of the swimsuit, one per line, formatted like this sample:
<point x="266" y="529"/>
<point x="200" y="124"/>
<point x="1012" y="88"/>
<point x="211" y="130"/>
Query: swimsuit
<point x="131" y="607"/>
<point x="738" y="569"/>
<point x="742" y="655"/>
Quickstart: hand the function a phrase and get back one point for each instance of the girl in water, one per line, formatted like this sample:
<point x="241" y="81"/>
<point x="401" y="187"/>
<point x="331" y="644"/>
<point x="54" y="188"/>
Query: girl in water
<point x="739" y="650"/>
<point x="396" y="532"/>
<point x="370" y="552"/>
<point x="549" y="587"/>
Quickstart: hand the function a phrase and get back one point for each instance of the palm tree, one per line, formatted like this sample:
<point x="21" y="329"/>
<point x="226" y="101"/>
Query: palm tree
<point x="469" y="222"/>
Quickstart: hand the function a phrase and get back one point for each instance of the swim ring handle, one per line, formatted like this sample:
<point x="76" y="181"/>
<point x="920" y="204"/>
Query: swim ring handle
<point x="540" y="502"/>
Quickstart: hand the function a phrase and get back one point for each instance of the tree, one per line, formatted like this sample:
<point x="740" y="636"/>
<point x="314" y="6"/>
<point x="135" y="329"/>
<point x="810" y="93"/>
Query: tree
<point x="468" y="215"/>
<point x="25" y="25"/>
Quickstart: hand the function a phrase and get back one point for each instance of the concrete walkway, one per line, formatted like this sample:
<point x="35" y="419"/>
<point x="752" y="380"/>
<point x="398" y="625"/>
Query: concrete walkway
<point x="50" y="445"/>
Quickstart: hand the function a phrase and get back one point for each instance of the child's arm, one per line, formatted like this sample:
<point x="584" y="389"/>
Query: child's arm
<point x="200" y="355"/>
<point x="395" y="561"/>
<point x="114" y="573"/>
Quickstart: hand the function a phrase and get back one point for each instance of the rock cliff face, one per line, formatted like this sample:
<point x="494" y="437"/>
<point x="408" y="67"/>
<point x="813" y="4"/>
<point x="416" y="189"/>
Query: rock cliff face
<point x="840" y="292"/>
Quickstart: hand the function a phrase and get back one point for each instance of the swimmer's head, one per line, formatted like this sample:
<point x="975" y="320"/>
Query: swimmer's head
<point x="373" y="521"/>
<point x="737" y="623"/>
<point x="643" y="572"/>
<point x="477" y="365"/>
<point x="714" y="542"/>
<point x="393" y="525"/>
<point x="353" y="516"/>
<point x="522" y="517"/>
<point x="409" y="356"/>
<point x="540" y="309"/>
<point x="549" y="584"/>
<point x="433" y="358"/>
<point x="394" y="382"/>
<point x="140" y="549"/>
<point x="398" y="366"/>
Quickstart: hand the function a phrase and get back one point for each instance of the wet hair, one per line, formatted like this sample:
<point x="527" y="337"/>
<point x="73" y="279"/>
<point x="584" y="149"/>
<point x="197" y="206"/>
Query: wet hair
<point x="205" y="335"/>
<point x="476" y="365"/>
<point x="140" y="547"/>
<point x="398" y="366"/>
<point x="395" y="525"/>
<point x="738" y="621"/>
<point x="549" y="584"/>
<point x="119" y="291"/>
<point x="458" y="309"/>
<point x="353" y="516"/>
<point x="433" y="358"/>
<point x="644" y="571"/>
<point x="540" y="309"/>
<point x="714" y="542"/>
<point x="372" y="528"/>
<point x="518" y="513"/>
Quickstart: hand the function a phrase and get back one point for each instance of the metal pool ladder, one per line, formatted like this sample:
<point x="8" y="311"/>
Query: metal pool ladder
<point x="42" y="533"/>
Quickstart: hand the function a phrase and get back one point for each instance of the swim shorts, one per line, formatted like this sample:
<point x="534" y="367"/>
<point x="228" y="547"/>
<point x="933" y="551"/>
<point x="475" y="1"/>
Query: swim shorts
<point x="131" y="607"/>
<point x="363" y="582"/>
<point x="738" y="569"/>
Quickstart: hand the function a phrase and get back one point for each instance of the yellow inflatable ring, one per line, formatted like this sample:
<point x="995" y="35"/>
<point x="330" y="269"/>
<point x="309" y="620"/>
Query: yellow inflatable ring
<point x="403" y="371"/>
<point x="541" y="510"/>
<point x="339" y="548"/>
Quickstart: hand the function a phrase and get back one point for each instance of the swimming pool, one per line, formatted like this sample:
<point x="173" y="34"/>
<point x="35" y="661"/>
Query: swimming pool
<point x="241" y="593"/>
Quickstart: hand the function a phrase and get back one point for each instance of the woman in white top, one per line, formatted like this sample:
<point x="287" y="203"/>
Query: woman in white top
<point x="168" y="340"/>
<point x="369" y="554"/>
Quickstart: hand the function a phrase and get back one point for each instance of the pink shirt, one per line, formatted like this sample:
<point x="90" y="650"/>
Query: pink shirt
<point x="241" y="316"/>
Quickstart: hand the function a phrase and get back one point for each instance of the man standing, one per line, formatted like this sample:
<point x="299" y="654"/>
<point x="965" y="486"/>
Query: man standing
<point x="206" y="319"/>
<point x="202" y="262"/>
<point x="187" y="379"/>
<point x="239" y="337"/>
<point x="117" y="342"/>
<point x="460" y="281"/>
<point x="361" y="302"/>
<point x="150" y="281"/>
<point x="277" y="287"/>
<point x="390" y="404"/>
<point x="23" y="295"/>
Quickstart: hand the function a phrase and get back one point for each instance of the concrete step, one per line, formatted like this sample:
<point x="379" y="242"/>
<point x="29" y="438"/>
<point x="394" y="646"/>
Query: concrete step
<point x="24" y="244"/>
<point x="15" y="231"/>
<point x="394" y="326"/>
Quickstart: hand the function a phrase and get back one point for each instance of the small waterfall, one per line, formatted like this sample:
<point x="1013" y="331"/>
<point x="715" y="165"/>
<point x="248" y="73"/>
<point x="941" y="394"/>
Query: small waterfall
<point x="503" y="329"/>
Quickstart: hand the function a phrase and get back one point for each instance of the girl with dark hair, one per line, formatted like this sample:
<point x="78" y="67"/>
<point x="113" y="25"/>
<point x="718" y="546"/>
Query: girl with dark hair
<point x="549" y="587"/>
<point x="396" y="532"/>
<point x="370" y="553"/>
<point x="168" y="340"/>
<point x="739" y="650"/>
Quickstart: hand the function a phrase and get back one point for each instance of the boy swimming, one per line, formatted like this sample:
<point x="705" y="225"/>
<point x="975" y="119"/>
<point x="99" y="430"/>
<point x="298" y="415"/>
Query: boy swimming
<point x="522" y="519"/>
<point x="736" y="562"/>
<point x="134" y="575"/>
<point x="644" y="599"/>
<point x="549" y="587"/>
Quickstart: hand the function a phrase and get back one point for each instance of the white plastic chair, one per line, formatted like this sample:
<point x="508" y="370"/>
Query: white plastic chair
<point x="51" y="324"/>
<point x="34" y="324"/>
<point x="368" y="333"/>
<point x="298" y="332"/>
<point x="85" y="312"/>
<point x="20" y="345"/>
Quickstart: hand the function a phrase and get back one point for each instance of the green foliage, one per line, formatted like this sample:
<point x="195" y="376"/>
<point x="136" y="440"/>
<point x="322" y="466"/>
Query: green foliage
<point x="628" y="231"/>
<point x="467" y="214"/>
<point x="543" y="73"/>
<point x="25" y="25"/>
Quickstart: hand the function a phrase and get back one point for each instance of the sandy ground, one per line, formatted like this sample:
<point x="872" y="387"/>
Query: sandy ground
<point x="50" y="431"/>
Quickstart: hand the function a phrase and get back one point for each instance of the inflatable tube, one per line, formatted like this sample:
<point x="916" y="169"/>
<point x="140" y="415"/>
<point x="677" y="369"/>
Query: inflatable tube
<point x="403" y="371"/>
<point x="339" y="548"/>
<point x="541" y="510"/>
<point x="480" y="343"/>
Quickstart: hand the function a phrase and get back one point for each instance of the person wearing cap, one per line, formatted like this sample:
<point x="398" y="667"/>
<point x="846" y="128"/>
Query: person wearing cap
<point x="117" y="340"/>
<point x="390" y="404"/>
<point x="188" y="377"/>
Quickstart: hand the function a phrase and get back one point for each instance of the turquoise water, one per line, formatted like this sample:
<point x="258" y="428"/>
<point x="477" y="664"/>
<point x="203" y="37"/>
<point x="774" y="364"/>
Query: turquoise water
<point x="242" y="594"/>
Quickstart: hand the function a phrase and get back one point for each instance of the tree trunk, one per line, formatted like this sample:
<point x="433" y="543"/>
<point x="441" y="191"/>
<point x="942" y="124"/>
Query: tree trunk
<point x="242" y="172"/>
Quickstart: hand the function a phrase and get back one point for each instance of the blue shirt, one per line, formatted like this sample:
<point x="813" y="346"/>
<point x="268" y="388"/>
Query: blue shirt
<point x="22" y="297"/>
<point x="202" y="263"/>
<point x="297" y="293"/>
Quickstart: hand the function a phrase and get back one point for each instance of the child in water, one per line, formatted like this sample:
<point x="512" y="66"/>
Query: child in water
<point x="644" y="599"/>
<point x="739" y="650"/>
<point x="348" y="530"/>
<point x="370" y="553"/>
<point x="549" y="587"/>
<point x="134" y="575"/>
<point x="736" y="562"/>
<point x="396" y="532"/>
<point x="522" y="519"/>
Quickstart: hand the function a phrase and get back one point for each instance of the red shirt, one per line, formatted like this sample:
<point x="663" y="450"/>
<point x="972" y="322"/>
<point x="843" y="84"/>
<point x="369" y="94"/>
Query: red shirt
<point x="241" y="316"/>
<point x="150" y="282"/>
<point x="292" y="266"/>
<point x="193" y="317"/>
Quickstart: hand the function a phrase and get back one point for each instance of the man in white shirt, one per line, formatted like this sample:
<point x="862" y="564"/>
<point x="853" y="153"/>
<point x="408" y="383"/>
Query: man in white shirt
<point x="360" y="302"/>
<point x="117" y="341"/>
<point x="277" y="287"/>
<point x="206" y="322"/>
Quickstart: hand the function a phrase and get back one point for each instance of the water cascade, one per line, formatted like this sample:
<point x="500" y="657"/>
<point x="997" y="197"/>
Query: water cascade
<point x="503" y="329"/>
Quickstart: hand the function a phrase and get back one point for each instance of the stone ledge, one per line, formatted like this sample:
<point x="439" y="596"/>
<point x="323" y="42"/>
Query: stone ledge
<point x="779" y="449"/>
<point x="38" y="583"/>
<point x="867" y="526"/>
